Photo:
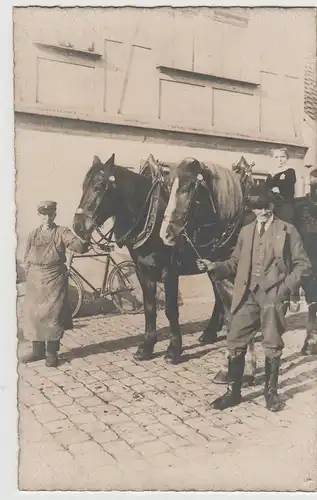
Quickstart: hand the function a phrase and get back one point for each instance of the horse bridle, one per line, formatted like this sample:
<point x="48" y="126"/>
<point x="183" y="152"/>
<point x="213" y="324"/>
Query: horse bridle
<point x="111" y="181"/>
<point x="199" y="181"/>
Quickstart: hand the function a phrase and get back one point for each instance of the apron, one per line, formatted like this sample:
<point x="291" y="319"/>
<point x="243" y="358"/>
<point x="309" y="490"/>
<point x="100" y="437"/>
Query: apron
<point x="47" y="313"/>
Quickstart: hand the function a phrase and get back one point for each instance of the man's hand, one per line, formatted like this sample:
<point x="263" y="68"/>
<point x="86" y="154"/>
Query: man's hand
<point x="205" y="265"/>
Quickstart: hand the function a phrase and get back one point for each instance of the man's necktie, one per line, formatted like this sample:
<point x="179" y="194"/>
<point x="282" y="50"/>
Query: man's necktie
<point x="262" y="229"/>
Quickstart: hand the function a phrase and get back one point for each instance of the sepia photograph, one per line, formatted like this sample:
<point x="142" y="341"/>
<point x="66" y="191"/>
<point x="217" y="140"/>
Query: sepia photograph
<point x="166" y="260"/>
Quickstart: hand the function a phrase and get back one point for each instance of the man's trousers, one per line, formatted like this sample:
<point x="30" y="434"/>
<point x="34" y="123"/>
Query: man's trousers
<point x="259" y="310"/>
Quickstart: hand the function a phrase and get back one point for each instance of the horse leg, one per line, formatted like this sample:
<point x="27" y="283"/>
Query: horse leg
<point x="174" y="350"/>
<point x="215" y="324"/>
<point x="145" y="349"/>
<point x="310" y="342"/>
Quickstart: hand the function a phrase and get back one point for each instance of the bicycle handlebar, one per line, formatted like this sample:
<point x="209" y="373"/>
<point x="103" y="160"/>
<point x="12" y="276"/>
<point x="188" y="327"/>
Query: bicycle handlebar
<point x="105" y="247"/>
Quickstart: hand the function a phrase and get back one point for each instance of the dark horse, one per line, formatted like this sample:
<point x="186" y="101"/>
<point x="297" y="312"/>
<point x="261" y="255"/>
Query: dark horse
<point x="137" y="202"/>
<point x="305" y="220"/>
<point x="192" y="202"/>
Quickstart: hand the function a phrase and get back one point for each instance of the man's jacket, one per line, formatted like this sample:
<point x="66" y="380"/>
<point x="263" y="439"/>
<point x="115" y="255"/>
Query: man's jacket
<point x="285" y="267"/>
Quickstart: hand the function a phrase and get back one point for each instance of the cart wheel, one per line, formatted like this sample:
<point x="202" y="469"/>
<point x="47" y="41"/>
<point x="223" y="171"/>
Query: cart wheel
<point x="125" y="288"/>
<point x="75" y="293"/>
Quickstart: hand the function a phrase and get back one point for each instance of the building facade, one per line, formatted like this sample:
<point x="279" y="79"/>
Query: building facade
<point x="212" y="83"/>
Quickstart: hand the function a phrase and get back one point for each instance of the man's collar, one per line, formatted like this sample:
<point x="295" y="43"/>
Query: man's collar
<point x="267" y="222"/>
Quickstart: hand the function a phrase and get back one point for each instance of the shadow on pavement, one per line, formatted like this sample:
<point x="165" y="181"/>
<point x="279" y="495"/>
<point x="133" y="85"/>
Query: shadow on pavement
<point x="309" y="376"/>
<point x="296" y="359"/>
<point x="196" y="355"/>
<point x="189" y="328"/>
<point x="131" y="341"/>
<point x="297" y="321"/>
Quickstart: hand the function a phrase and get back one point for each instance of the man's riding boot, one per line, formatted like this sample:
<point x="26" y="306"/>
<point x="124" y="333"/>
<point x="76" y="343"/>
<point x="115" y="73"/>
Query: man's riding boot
<point x="38" y="352"/>
<point x="272" y="367"/>
<point x="52" y="347"/>
<point x="233" y="395"/>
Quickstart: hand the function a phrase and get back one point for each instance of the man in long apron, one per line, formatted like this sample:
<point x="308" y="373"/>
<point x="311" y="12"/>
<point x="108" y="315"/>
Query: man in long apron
<point x="46" y="308"/>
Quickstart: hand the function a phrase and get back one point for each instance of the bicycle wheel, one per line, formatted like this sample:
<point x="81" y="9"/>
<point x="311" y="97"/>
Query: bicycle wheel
<point x="125" y="288"/>
<point x="75" y="293"/>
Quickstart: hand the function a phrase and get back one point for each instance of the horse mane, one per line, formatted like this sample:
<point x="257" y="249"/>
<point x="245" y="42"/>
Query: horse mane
<point x="226" y="189"/>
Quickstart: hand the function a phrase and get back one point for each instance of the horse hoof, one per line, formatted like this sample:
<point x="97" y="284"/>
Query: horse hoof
<point x="248" y="381"/>
<point x="310" y="344"/>
<point x="172" y="358"/>
<point x="207" y="338"/>
<point x="175" y="360"/>
<point x="221" y="377"/>
<point x="143" y="355"/>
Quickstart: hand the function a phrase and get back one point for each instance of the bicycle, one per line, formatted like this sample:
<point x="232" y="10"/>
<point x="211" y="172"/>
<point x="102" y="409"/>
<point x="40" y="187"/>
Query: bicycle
<point x="121" y="284"/>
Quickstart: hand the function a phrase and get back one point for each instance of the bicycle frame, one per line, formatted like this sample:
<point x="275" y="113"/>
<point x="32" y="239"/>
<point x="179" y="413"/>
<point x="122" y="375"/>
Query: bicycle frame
<point x="103" y="291"/>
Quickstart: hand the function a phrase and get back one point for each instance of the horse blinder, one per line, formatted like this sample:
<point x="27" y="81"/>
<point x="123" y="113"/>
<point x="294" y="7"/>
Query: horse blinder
<point x="112" y="181"/>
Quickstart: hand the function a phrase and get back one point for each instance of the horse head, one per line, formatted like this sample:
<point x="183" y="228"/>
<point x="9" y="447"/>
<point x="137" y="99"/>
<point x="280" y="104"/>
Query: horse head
<point x="157" y="169"/>
<point x="188" y="176"/>
<point x="95" y="207"/>
<point x="201" y="195"/>
<point x="244" y="171"/>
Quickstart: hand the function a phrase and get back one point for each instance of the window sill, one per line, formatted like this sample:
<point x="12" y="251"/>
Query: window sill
<point x="69" y="51"/>
<point x="169" y="70"/>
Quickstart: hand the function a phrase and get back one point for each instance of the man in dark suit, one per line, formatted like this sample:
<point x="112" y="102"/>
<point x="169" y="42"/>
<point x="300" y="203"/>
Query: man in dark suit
<point x="268" y="262"/>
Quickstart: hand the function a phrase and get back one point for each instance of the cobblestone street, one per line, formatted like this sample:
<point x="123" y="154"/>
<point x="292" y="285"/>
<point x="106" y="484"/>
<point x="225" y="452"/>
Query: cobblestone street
<point x="102" y="421"/>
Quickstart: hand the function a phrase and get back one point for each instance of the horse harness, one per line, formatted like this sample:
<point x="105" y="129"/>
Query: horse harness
<point x="136" y="236"/>
<point x="216" y="243"/>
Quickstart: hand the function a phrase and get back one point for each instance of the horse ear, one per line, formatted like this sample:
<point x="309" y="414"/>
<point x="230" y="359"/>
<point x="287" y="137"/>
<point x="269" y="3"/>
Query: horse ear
<point x="196" y="163"/>
<point x="112" y="158"/>
<point x="96" y="160"/>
